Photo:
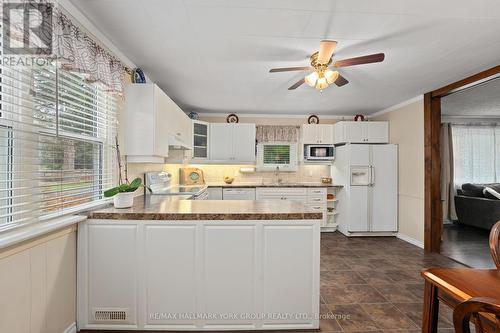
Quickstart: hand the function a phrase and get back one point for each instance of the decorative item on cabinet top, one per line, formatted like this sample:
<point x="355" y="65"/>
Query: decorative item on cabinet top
<point x="313" y="119"/>
<point x="138" y="76"/>
<point x="359" y="117"/>
<point x="232" y="118"/>
<point x="193" y="115"/>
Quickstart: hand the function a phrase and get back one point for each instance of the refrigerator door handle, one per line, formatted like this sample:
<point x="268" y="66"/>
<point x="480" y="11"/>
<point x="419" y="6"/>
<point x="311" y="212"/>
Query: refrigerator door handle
<point x="372" y="175"/>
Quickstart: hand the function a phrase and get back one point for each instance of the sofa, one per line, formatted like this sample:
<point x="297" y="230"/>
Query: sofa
<point x="474" y="209"/>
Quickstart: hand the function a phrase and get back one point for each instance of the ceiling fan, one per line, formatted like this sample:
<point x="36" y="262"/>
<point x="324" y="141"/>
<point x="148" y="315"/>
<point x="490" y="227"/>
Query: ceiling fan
<point x="322" y="76"/>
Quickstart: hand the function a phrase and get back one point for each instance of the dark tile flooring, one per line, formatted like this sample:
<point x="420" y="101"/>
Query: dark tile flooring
<point x="467" y="245"/>
<point x="374" y="284"/>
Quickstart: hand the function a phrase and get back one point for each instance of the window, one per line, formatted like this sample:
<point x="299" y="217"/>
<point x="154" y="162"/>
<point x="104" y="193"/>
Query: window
<point x="272" y="155"/>
<point x="57" y="132"/>
<point x="476" y="153"/>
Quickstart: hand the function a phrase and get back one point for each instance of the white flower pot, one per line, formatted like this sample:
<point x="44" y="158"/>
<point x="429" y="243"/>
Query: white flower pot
<point x="123" y="200"/>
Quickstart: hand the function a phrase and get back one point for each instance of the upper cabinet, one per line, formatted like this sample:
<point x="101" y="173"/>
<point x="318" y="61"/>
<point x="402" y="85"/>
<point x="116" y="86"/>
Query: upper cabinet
<point x="151" y="123"/>
<point x="317" y="134"/>
<point x="201" y="134"/>
<point x="234" y="143"/>
<point x="361" y="132"/>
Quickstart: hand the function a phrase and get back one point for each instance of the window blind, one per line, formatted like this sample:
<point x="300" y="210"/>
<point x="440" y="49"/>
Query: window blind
<point x="57" y="133"/>
<point x="276" y="154"/>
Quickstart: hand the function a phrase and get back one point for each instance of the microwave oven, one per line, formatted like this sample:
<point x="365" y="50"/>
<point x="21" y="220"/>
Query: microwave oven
<point x="319" y="152"/>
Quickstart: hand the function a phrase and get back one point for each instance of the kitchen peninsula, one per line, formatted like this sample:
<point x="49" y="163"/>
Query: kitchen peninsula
<point x="200" y="265"/>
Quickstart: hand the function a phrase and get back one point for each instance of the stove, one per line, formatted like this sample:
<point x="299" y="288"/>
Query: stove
<point x="159" y="183"/>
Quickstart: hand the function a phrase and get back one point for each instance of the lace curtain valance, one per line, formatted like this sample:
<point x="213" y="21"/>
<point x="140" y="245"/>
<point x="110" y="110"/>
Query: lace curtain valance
<point x="76" y="51"/>
<point x="274" y="133"/>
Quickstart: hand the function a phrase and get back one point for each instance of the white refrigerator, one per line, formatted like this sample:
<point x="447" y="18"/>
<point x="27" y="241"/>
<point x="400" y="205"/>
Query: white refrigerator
<point x="368" y="201"/>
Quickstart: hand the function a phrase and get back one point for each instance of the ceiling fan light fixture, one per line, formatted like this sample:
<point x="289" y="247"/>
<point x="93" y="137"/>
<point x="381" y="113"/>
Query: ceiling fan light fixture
<point x="331" y="76"/>
<point x="321" y="83"/>
<point x="311" y="79"/>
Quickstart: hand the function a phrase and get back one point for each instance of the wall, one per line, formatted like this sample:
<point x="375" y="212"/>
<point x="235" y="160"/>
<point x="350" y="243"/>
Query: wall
<point x="38" y="284"/>
<point x="216" y="173"/>
<point x="406" y="124"/>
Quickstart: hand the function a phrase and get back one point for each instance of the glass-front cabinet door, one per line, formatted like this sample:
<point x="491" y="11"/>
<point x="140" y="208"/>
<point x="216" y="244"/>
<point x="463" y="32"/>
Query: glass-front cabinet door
<point x="200" y="139"/>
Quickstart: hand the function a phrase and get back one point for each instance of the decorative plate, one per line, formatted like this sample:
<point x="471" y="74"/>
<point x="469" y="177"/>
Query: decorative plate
<point x="138" y="76"/>
<point x="232" y="118"/>
<point x="313" y="119"/>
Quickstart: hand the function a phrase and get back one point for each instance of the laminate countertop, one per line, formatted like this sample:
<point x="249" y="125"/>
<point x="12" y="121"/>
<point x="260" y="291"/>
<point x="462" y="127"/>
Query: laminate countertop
<point x="171" y="208"/>
<point x="249" y="185"/>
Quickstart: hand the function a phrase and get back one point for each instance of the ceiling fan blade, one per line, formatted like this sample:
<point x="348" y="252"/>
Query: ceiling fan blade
<point x="289" y="69"/>
<point x="297" y="84"/>
<point x="341" y="81"/>
<point x="326" y="49"/>
<point x="377" y="57"/>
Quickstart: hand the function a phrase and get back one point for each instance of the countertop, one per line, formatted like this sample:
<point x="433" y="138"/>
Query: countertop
<point x="240" y="185"/>
<point x="172" y="208"/>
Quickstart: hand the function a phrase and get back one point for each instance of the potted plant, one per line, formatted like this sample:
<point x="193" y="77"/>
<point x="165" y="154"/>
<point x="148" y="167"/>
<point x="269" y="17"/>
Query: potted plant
<point x="123" y="195"/>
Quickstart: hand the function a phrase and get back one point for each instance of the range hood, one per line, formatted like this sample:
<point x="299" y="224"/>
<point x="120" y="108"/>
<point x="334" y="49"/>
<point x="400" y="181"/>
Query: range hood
<point x="176" y="143"/>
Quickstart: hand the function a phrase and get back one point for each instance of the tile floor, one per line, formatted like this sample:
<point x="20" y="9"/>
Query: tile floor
<point x="374" y="284"/>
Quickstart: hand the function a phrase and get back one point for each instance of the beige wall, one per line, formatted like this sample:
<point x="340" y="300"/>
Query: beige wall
<point x="38" y="284"/>
<point x="407" y="131"/>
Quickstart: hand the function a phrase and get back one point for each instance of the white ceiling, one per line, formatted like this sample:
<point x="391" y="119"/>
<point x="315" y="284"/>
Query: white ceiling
<point x="214" y="55"/>
<point x="481" y="101"/>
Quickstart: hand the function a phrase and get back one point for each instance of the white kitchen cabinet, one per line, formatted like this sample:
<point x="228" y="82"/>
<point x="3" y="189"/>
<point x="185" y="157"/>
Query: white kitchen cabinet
<point x="158" y="275"/>
<point x="146" y="109"/>
<point x="168" y="279"/>
<point x="361" y="132"/>
<point x="233" y="143"/>
<point x="111" y="259"/>
<point x="150" y="119"/>
<point x="314" y="197"/>
<point x="214" y="193"/>
<point x="317" y="134"/>
<point x="234" y="193"/>
<point x="179" y="124"/>
<point x="201" y="135"/>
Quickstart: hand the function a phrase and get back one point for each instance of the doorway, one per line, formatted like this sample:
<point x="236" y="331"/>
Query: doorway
<point x="456" y="116"/>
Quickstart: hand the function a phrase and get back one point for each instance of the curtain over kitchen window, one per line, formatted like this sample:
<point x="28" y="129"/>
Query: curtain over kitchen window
<point x="476" y="153"/>
<point x="58" y="123"/>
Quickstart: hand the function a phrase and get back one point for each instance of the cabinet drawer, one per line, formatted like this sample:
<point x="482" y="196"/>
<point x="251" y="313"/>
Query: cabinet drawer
<point x="282" y="191"/>
<point x="317" y="200"/>
<point x="317" y="191"/>
<point x="317" y="207"/>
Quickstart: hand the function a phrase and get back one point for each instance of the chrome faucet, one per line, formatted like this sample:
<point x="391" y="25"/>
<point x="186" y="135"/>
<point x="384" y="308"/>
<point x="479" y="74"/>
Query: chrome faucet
<point x="277" y="175"/>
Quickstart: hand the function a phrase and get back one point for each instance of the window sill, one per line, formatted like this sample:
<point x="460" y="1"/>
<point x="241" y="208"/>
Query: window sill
<point x="33" y="230"/>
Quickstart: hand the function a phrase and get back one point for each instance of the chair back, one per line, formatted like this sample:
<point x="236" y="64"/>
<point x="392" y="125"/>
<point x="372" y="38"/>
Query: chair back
<point x="495" y="244"/>
<point x="470" y="309"/>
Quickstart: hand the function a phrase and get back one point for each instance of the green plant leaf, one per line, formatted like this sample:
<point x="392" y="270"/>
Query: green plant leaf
<point x="134" y="185"/>
<point x="111" y="192"/>
<point x="136" y="182"/>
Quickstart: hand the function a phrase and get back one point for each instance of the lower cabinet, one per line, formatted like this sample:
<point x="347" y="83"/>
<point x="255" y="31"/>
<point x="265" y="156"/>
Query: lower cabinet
<point x="313" y="197"/>
<point x="198" y="275"/>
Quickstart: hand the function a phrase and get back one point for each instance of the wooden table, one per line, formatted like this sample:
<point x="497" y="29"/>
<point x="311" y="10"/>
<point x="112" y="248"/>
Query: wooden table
<point x="455" y="285"/>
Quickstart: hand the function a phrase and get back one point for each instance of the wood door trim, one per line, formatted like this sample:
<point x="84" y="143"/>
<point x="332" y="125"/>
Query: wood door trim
<point x="464" y="82"/>
<point x="432" y="184"/>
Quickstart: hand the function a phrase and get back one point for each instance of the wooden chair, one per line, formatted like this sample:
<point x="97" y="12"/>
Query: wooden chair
<point x="495" y="244"/>
<point x="471" y="308"/>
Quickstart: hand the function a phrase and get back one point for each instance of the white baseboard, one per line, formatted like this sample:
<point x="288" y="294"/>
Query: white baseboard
<point x="410" y="240"/>
<point x="71" y="328"/>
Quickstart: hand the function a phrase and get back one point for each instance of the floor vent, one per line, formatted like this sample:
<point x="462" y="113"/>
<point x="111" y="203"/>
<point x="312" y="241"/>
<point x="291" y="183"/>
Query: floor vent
<point x="110" y="315"/>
